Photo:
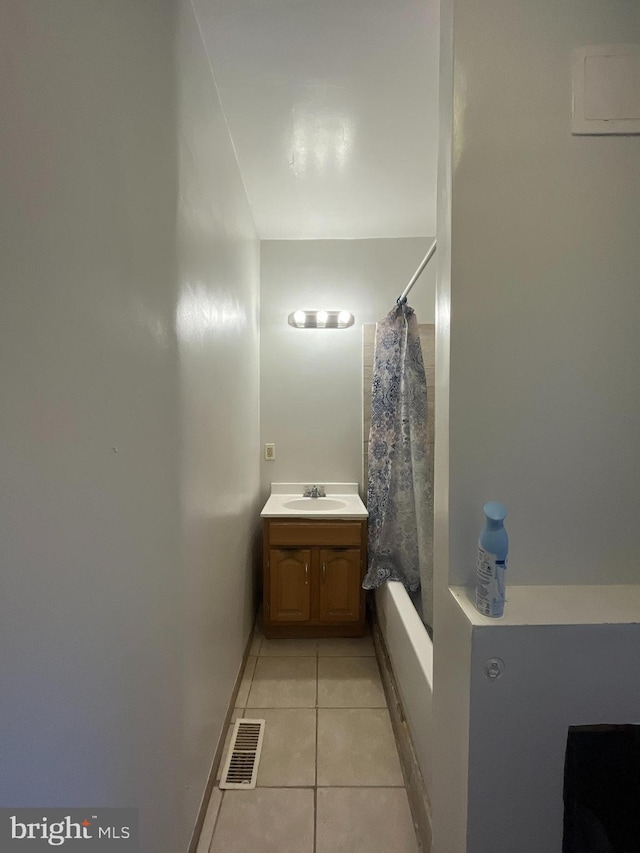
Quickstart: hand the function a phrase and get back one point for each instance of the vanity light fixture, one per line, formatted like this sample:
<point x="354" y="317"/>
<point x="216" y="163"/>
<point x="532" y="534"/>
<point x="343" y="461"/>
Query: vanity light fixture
<point x="321" y="319"/>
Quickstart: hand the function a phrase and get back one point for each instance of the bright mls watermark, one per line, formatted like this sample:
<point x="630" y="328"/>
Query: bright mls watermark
<point x="101" y="830"/>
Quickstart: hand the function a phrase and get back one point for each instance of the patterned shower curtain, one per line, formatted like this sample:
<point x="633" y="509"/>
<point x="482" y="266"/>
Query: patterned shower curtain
<point x="399" y="494"/>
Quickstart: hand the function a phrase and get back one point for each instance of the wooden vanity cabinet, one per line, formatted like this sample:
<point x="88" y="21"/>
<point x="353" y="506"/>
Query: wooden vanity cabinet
<point x="313" y="573"/>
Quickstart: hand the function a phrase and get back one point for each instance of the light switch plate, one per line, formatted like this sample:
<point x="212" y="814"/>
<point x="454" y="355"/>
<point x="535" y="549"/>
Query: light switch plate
<point x="269" y="452"/>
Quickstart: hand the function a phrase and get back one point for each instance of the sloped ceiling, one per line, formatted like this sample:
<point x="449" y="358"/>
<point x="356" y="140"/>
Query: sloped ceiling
<point x="332" y="108"/>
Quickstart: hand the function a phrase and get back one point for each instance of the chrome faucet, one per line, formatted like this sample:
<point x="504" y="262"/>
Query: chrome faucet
<point x="314" y="492"/>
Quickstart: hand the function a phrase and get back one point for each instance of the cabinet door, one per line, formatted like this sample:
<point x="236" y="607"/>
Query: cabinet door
<point x="289" y="587"/>
<point x="340" y="593"/>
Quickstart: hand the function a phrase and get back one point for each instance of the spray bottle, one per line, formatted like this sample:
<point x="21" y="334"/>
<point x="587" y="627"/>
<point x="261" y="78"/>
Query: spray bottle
<point x="493" y="545"/>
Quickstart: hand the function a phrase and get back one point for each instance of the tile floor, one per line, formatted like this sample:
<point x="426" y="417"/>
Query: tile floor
<point x="329" y="779"/>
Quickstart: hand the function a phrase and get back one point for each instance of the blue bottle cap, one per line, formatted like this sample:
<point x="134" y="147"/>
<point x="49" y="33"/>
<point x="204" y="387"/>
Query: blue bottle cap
<point x="495" y="511"/>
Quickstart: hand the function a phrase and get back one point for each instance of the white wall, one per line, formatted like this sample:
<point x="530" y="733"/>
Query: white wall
<point x="117" y="604"/>
<point x="538" y="308"/>
<point x="218" y="344"/>
<point x="545" y="304"/>
<point x="520" y="723"/>
<point x="311" y="380"/>
<point x="90" y="623"/>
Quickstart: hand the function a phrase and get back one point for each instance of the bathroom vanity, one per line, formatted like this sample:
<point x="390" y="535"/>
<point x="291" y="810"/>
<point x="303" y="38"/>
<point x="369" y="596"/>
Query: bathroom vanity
<point x="314" y="560"/>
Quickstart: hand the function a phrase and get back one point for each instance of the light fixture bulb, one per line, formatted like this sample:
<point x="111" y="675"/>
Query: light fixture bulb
<point x="322" y="319"/>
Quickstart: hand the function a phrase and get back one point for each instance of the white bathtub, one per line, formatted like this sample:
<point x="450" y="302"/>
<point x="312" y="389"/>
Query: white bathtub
<point x="411" y="654"/>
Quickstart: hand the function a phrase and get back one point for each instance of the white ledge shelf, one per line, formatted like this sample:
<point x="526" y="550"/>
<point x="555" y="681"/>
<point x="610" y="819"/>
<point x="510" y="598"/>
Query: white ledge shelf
<point x="558" y="605"/>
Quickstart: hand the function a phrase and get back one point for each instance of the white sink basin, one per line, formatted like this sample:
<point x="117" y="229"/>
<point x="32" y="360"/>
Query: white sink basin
<point x="286" y="501"/>
<point x="314" y="504"/>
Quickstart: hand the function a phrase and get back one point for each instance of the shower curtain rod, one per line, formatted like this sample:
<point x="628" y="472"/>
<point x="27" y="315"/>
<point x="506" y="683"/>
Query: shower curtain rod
<point x="403" y="297"/>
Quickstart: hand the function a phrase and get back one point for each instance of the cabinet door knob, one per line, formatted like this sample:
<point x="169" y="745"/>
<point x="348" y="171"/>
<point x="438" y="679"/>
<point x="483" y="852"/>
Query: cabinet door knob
<point x="306" y="573"/>
<point x="324" y="572"/>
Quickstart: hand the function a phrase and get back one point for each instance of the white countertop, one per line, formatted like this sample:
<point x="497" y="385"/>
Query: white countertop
<point x="594" y="604"/>
<point x="342" y="501"/>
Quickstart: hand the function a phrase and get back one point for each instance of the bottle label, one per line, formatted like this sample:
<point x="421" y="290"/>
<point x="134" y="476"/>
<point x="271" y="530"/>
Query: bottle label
<point x="490" y="584"/>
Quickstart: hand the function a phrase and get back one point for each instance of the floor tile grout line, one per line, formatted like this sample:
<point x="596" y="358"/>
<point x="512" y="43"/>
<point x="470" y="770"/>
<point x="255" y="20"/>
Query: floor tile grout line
<point x="263" y="707"/>
<point x="310" y="657"/>
<point x="282" y="787"/>
<point x="370" y="786"/>
<point x="315" y="818"/>
<point x="315" y="788"/>
<point x="315" y="791"/>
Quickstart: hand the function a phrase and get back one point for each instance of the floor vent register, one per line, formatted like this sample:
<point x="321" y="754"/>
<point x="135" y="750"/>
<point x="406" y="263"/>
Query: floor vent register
<point x="240" y="769"/>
